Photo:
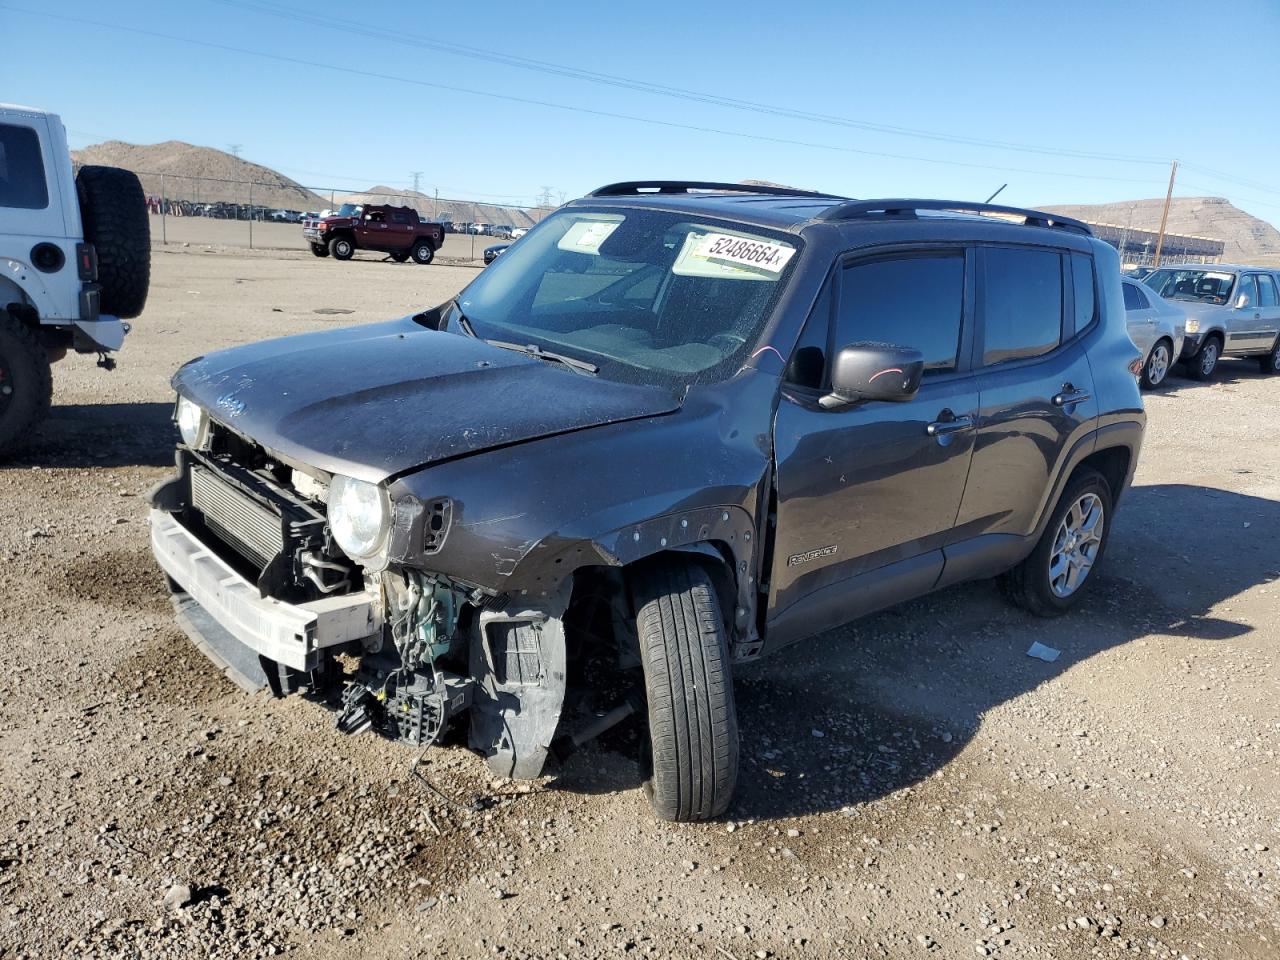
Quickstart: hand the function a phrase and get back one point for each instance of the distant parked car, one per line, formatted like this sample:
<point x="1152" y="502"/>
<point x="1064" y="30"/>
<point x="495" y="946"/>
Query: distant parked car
<point x="1230" y="310"/>
<point x="396" y="231"/>
<point x="519" y="232"/>
<point x="1138" y="273"/>
<point x="1155" y="327"/>
<point x="491" y="253"/>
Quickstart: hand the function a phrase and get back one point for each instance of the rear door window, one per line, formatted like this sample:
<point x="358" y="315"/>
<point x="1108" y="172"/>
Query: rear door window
<point x="1266" y="291"/>
<point x="22" y="182"/>
<point x="1021" y="303"/>
<point x="915" y="301"/>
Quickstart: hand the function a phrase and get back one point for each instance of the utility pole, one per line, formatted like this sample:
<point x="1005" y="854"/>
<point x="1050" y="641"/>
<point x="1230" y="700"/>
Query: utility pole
<point x="417" y="175"/>
<point x="544" y="198"/>
<point x="1164" y="217"/>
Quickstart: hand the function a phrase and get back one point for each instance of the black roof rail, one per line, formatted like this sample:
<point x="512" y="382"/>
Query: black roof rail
<point x="635" y="188"/>
<point x="857" y="209"/>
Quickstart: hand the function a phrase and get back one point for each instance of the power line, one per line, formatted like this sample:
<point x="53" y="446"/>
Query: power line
<point x="643" y="86"/>
<point x="529" y="101"/>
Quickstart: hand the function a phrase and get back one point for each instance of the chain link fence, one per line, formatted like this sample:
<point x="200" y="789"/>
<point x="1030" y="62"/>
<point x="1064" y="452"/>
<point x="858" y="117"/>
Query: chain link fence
<point x="262" y="214"/>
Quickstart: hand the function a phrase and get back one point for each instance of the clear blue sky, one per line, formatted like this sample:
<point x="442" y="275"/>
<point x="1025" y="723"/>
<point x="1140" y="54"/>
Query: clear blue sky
<point x="1154" y="81"/>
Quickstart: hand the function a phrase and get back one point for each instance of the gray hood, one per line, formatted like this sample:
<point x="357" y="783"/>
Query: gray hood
<point x="380" y="400"/>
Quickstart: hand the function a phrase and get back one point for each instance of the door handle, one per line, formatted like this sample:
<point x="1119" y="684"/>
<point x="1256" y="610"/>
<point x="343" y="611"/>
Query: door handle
<point x="940" y="428"/>
<point x="1070" y="395"/>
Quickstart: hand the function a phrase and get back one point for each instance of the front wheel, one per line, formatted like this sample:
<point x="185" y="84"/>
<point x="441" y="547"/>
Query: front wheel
<point x="1052" y="579"/>
<point x="1271" y="362"/>
<point x="399" y="256"/>
<point x="26" y="383"/>
<point x="341" y="248"/>
<point x="1157" y="365"/>
<point x="1205" y="360"/>
<point x="423" y="252"/>
<point x="319" y="249"/>
<point x="693" y="727"/>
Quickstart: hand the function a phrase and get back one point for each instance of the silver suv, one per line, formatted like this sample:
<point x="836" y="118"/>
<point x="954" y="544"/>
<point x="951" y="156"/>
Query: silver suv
<point x="1230" y="310"/>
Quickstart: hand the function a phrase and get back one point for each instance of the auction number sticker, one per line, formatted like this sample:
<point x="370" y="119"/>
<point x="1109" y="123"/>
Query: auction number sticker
<point x="732" y="257"/>
<point x="744" y="252"/>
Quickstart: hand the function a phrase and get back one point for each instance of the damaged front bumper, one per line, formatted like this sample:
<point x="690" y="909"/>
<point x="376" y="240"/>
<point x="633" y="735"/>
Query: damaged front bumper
<point x="216" y="603"/>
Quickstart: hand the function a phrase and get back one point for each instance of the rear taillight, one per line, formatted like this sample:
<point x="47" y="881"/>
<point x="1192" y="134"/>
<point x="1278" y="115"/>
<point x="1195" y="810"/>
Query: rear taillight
<point x="1135" y="366"/>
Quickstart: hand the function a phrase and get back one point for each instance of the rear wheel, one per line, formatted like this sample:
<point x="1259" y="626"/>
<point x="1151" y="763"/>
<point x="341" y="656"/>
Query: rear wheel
<point x="1271" y="362"/>
<point x="1204" y="361"/>
<point x="423" y="252"/>
<point x="341" y="248"/>
<point x="693" y="728"/>
<point x="26" y="383"/>
<point x="1052" y="579"/>
<point x="399" y="256"/>
<point x="1157" y="366"/>
<point x="319" y="249"/>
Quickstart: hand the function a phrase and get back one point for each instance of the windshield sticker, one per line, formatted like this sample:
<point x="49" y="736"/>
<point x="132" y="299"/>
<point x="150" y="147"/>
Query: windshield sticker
<point x="585" y="236"/>
<point x="728" y="256"/>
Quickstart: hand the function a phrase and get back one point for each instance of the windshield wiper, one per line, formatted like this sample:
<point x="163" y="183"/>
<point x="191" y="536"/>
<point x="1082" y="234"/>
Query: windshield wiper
<point x="533" y="350"/>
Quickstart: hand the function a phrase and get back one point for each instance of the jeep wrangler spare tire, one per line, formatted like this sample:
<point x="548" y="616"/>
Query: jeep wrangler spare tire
<point x="113" y="209"/>
<point x="693" y="727"/>
<point x="26" y="384"/>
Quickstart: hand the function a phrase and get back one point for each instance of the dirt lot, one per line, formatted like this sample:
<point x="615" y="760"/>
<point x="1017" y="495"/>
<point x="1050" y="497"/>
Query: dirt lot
<point x="911" y="785"/>
<point x="186" y="233"/>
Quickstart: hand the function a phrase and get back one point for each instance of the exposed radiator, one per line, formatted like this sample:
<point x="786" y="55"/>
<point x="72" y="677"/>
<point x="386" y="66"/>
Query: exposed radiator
<point x="241" y="522"/>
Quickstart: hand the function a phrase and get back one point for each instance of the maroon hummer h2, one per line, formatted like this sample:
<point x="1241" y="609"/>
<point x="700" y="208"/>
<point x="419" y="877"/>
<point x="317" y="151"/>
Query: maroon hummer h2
<point x="396" y="231"/>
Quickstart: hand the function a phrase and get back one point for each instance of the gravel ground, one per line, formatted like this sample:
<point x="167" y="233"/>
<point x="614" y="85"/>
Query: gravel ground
<point x="912" y="784"/>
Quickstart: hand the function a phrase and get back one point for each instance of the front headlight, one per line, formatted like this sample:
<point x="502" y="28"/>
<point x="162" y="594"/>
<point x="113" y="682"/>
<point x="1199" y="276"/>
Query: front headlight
<point x="193" y="423"/>
<point x="359" y="516"/>
<point x="1193" y="326"/>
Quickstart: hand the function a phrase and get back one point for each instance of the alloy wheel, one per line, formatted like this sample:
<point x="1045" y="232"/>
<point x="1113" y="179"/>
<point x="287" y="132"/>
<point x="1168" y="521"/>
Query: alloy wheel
<point x="1158" y="364"/>
<point x="1209" y="357"/>
<point x="1076" y="545"/>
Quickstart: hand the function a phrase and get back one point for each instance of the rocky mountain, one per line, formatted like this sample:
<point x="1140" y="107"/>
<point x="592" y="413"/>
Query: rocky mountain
<point x="456" y="211"/>
<point x="201" y="174"/>
<point x="1247" y="239"/>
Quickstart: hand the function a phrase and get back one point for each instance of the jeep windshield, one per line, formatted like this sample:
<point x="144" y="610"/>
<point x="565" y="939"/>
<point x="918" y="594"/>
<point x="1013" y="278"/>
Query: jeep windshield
<point x="1203" y="286"/>
<point x="647" y="296"/>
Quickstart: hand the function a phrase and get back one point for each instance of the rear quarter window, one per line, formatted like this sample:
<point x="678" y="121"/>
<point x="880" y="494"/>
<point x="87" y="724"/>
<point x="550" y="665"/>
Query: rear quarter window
<point x="22" y="182"/>
<point x="1086" y="299"/>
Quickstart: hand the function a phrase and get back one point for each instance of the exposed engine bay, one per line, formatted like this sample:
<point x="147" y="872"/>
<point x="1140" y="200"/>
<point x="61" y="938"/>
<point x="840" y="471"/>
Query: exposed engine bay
<point x="398" y="650"/>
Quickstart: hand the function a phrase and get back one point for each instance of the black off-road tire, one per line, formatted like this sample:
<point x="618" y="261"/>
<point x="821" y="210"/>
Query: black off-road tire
<point x="399" y="256"/>
<point x="423" y="252"/>
<point x="1028" y="584"/>
<point x="1271" y="362"/>
<point x="319" y="249"/>
<point x="26" y="383"/>
<point x="1204" y="362"/>
<point x="342" y="248"/>
<point x="693" y="727"/>
<point x="113" y="210"/>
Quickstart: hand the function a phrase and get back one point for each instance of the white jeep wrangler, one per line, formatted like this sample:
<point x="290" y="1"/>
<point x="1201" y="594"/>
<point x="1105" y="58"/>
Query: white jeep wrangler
<point x="75" y="262"/>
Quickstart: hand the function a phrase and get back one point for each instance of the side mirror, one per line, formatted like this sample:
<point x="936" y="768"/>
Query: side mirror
<point x="874" y="371"/>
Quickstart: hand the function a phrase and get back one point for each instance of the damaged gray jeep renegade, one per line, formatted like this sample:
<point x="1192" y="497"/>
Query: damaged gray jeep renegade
<point x="676" y="427"/>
